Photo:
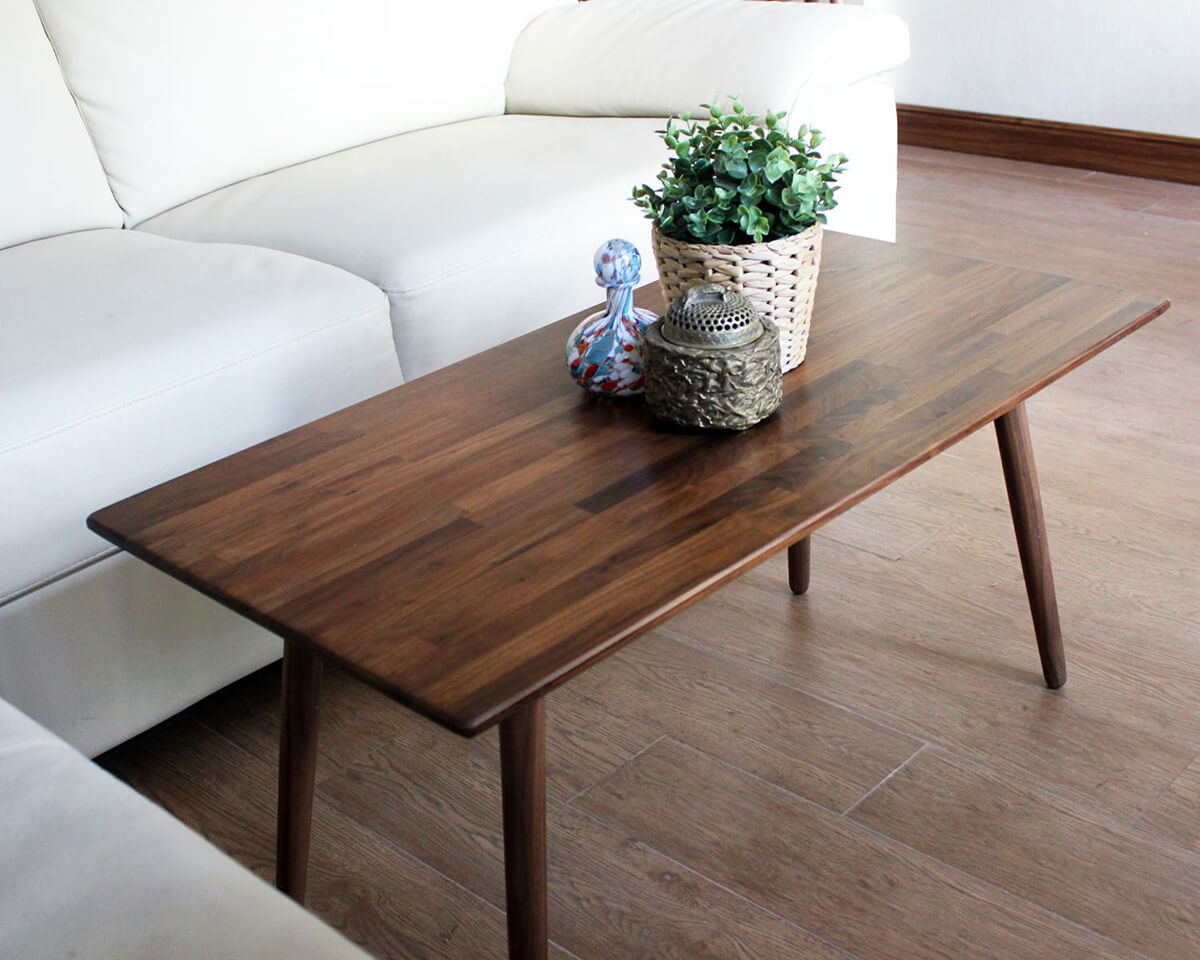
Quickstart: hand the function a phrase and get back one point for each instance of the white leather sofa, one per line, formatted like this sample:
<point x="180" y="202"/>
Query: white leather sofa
<point x="93" y="871"/>
<point x="221" y="220"/>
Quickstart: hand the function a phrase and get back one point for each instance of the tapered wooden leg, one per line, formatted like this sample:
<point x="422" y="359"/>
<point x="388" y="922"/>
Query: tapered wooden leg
<point x="1020" y="476"/>
<point x="523" y="773"/>
<point x="302" y="669"/>
<point x="799" y="557"/>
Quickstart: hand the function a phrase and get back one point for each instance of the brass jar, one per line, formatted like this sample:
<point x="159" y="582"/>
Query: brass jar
<point x="712" y="362"/>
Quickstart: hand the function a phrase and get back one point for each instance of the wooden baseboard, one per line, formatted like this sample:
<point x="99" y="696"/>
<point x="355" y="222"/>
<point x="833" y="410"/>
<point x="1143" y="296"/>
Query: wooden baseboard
<point x="1153" y="155"/>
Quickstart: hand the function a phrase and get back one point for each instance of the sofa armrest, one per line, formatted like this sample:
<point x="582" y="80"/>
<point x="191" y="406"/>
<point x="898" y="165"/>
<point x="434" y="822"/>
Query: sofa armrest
<point x="656" y="58"/>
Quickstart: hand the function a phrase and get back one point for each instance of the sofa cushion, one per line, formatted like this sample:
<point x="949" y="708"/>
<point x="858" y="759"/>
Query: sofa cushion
<point x="126" y="358"/>
<point x="478" y="231"/>
<point x="95" y="872"/>
<point x="184" y="97"/>
<point x="51" y="176"/>
<point x="584" y="60"/>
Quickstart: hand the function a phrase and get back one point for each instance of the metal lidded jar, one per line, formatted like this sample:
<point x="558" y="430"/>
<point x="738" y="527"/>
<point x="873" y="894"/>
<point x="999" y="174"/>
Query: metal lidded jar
<point x="713" y="362"/>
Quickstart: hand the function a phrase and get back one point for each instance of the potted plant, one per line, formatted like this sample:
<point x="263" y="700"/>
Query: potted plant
<point x="742" y="203"/>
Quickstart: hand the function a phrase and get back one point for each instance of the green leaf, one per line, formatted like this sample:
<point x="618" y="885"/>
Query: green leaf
<point x="753" y="222"/>
<point x="758" y="157"/>
<point x="752" y="188"/>
<point x="734" y="168"/>
<point x="779" y="164"/>
<point x="724" y="190"/>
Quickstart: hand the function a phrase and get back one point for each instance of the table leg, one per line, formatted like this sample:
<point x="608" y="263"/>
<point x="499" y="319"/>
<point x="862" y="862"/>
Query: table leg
<point x="799" y="561"/>
<point x="523" y="775"/>
<point x="1020" y="476"/>
<point x="302" y="669"/>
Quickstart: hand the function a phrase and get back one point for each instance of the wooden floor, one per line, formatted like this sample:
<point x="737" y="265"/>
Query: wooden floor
<point x="873" y="770"/>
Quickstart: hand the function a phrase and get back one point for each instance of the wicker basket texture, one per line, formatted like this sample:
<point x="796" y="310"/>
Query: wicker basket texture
<point x="778" y="276"/>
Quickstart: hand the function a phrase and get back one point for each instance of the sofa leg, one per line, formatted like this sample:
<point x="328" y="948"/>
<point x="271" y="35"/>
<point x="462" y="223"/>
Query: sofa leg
<point x="302" y="670"/>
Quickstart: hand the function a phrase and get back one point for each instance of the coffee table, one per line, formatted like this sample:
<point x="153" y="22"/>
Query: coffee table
<point x="469" y="541"/>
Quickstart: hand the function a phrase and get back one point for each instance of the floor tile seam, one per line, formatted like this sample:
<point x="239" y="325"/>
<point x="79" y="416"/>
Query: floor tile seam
<point x="1091" y="815"/>
<point x="666" y="631"/>
<point x="949" y="866"/>
<point x="916" y="753"/>
<point x="980" y="759"/>
<point x="1041" y="908"/>
<point x="1137" y="821"/>
<point x="645" y="845"/>
<point x="570" y="802"/>
<point x="928" y="537"/>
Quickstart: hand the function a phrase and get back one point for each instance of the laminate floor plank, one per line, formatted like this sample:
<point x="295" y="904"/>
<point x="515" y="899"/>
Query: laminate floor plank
<point x="1175" y="813"/>
<point x="585" y="739"/>
<point x="957" y="672"/>
<point x="609" y="897"/>
<point x="888" y="525"/>
<point x="851" y="885"/>
<point x="1022" y="169"/>
<point x="809" y="746"/>
<point x="1117" y="881"/>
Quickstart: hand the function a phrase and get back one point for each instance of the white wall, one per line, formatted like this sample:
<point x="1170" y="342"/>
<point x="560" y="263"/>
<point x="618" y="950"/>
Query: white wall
<point x="1133" y="64"/>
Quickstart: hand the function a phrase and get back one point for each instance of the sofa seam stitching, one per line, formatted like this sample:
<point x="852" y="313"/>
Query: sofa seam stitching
<point x="61" y="574"/>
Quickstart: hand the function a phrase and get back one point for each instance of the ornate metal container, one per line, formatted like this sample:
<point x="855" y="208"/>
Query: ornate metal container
<point x="713" y="362"/>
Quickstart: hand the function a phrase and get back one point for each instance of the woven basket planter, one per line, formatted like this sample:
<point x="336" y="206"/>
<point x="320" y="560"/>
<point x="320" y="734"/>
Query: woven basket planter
<point x="779" y="277"/>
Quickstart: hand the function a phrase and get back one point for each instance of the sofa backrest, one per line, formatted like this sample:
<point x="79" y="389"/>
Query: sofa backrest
<point x="51" y="178"/>
<point x="185" y="96"/>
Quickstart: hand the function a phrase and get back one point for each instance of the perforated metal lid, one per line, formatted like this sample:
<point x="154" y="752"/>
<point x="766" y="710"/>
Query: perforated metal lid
<point x="711" y="315"/>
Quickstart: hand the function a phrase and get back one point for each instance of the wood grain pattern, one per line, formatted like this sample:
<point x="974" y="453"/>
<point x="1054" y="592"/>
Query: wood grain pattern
<point x="1141" y="891"/>
<point x="515" y="484"/>
<point x="1175" y="813"/>
<point x="1131" y="152"/>
<point x="863" y="891"/>
<point x="822" y="753"/>
<point x="585" y="739"/>
<point x="949" y="673"/>
<point x="609" y="897"/>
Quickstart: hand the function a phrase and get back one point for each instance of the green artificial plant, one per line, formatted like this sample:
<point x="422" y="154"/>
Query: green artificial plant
<point x="735" y="180"/>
